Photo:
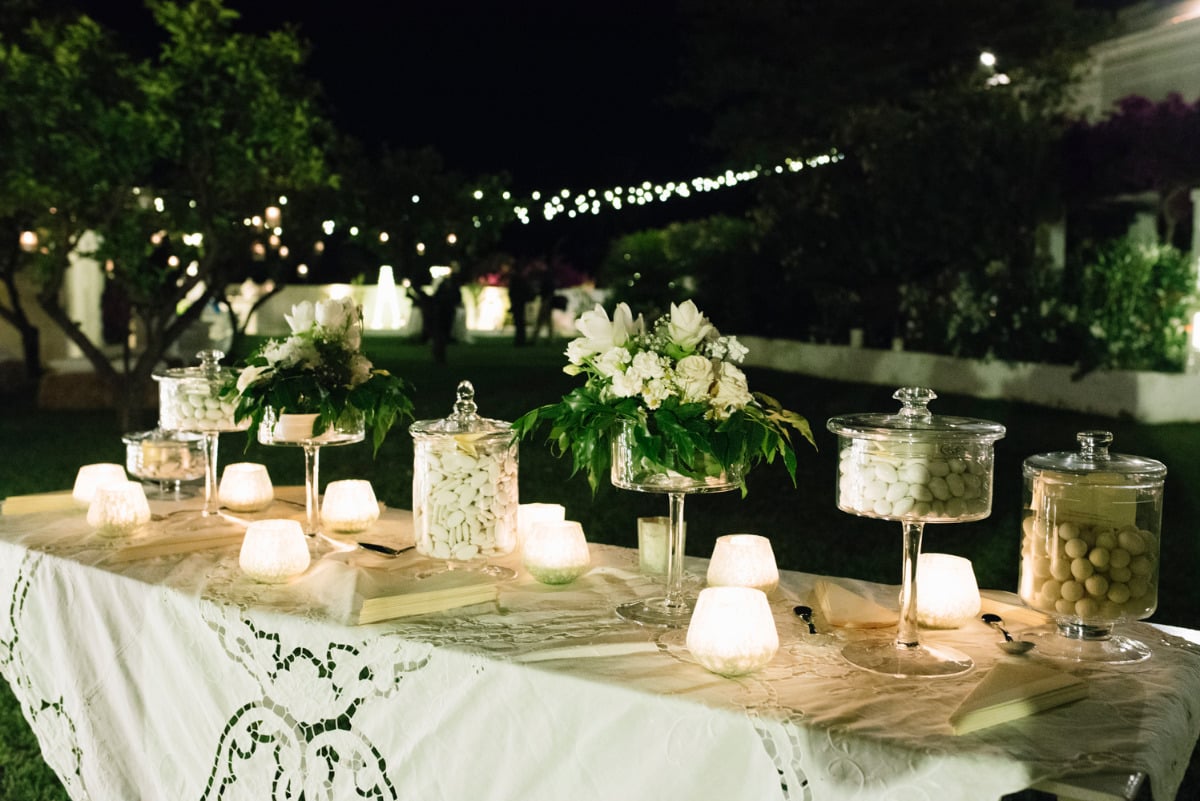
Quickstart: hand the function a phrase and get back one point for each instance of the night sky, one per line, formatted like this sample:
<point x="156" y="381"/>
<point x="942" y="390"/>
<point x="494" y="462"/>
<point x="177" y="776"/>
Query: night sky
<point x="555" y="93"/>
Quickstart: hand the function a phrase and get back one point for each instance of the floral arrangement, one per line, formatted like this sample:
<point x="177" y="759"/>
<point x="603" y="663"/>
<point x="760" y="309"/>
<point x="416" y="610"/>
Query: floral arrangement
<point x="678" y="384"/>
<point x="320" y="368"/>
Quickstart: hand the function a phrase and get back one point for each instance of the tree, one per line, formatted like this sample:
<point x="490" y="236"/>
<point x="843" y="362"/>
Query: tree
<point x="163" y="159"/>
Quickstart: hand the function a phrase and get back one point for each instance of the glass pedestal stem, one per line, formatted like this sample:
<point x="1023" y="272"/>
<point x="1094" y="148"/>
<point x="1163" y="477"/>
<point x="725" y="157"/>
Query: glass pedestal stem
<point x="675" y="601"/>
<point x="312" y="493"/>
<point x="211" y="501"/>
<point x="907" y="632"/>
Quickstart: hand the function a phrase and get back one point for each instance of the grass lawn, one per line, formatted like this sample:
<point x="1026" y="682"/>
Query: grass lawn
<point x="44" y="448"/>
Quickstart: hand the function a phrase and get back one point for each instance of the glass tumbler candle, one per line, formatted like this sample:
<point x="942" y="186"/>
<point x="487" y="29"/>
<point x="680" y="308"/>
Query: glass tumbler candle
<point x="246" y="487"/>
<point x="743" y="560"/>
<point x="91" y="477"/>
<point x="732" y="631"/>
<point x="118" y="509"/>
<point x="349" y="505"/>
<point x="557" y="552"/>
<point x="1090" y="548"/>
<point x="274" y="551"/>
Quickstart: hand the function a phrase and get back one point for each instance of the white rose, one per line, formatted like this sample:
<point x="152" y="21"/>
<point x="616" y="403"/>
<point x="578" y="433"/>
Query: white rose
<point x="360" y="369"/>
<point x="249" y="375"/>
<point x="733" y="391"/>
<point x="694" y="377"/>
<point x="301" y="318"/>
<point x="577" y="351"/>
<point x="687" y="326"/>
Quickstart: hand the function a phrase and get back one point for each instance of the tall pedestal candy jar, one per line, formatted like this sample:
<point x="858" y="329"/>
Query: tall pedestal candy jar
<point x="1090" y="548"/>
<point x="465" y="488"/>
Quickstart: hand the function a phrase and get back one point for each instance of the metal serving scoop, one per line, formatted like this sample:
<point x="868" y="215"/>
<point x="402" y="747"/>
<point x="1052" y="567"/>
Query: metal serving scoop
<point x="1009" y="645"/>
<point x="805" y="613"/>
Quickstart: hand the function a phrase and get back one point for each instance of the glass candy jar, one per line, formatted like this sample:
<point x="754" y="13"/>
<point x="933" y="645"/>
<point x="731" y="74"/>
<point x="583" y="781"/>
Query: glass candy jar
<point x="165" y="458"/>
<point x="914" y="467"/>
<point x="189" y="399"/>
<point x="464" y="485"/>
<point x="1090" y="548"/>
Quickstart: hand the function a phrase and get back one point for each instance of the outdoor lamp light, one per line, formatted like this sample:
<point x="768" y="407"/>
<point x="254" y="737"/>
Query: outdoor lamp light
<point x="246" y="487"/>
<point x="949" y="595"/>
<point x="118" y="508"/>
<point x="732" y="631"/>
<point x="557" y="552"/>
<point x="274" y="550"/>
<point x="743" y="560"/>
<point x="349" y="505"/>
<point x="93" y="476"/>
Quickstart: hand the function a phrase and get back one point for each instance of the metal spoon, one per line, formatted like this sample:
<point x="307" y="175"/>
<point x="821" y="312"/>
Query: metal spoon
<point x="384" y="549"/>
<point x="805" y="613"/>
<point x="1009" y="645"/>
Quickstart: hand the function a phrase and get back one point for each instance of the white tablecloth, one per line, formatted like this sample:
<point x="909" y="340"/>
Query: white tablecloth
<point x="179" y="678"/>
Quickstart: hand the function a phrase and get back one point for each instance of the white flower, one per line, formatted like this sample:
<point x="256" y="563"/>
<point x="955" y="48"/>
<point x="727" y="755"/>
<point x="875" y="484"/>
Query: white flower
<point x="301" y="318"/>
<point x="249" y="375"/>
<point x="647" y="365"/>
<point x="360" y="369"/>
<point x="334" y="314"/>
<point x="600" y="333"/>
<point x="655" y="391"/>
<point x="688" y="327"/>
<point x="733" y="391"/>
<point x="728" y="348"/>
<point x="281" y="353"/>
<point x="612" y="362"/>
<point x="625" y="385"/>
<point x="694" y="377"/>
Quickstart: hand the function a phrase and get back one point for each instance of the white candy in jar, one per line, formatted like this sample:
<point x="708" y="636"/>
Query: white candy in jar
<point x="911" y="481"/>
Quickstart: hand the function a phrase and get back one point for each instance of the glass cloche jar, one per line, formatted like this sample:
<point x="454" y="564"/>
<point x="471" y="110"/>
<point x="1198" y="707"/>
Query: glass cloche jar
<point x="189" y="398"/>
<point x="464" y="484"/>
<point x="1090" y="547"/>
<point x="165" y="458"/>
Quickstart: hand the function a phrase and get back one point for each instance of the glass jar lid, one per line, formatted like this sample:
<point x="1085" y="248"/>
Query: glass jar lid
<point x="1095" y="465"/>
<point x="463" y="420"/>
<point x="209" y="369"/>
<point x="915" y="423"/>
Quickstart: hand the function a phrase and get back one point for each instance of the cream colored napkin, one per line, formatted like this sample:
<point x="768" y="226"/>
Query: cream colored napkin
<point x="842" y="607"/>
<point x="41" y="502"/>
<point x="1014" y="689"/>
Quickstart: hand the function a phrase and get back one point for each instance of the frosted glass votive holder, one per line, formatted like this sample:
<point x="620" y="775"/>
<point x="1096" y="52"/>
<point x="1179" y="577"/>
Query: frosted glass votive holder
<point x="557" y="552"/>
<point x="743" y="560"/>
<point x="530" y="514"/>
<point x="274" y="550"/>
<point x="91" y="477"/>
<point x="118" y="509"/>
<point x="949" y="595"/>
<point x="246" y="487"/>
<point x="349" y="505"/>
<point x="732" y="631"/>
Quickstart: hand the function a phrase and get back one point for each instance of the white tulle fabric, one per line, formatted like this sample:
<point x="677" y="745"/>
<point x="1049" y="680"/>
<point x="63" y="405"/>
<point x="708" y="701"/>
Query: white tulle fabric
<point x="179" y="678"/>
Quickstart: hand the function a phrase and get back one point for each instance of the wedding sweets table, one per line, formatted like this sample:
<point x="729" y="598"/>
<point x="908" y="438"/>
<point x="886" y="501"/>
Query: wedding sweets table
<point x="174" y="676"/>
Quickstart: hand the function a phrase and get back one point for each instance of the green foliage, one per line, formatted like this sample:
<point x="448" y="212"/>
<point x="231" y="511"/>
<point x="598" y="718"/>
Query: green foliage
<point x="1134" y="300"/>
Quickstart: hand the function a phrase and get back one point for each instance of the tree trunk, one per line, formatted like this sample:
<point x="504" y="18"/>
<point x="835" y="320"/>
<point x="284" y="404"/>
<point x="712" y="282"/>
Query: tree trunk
<point x="31" y="345"/>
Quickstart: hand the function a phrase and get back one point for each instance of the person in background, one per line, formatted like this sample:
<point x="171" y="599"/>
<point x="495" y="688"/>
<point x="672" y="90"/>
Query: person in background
<point x="520" y="292"/>
<point x="546" y="286"/>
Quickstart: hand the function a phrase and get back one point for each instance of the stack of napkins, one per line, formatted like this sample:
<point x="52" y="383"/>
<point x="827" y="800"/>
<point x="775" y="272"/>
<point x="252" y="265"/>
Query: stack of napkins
<point x="1012" y="690"/>
<point x="41" y="502"/>
<point x="435" y="593"/>
<point x="841" y="607"/>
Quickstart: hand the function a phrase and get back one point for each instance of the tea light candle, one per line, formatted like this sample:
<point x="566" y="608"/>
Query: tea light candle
<point x="652" y="544"/>
<point x="530" y="514"/>
<point x="732" y="631"/>
<point x="947" y="594"/>
<point x="246" y="487"/>
<point x="91" y="477"/>
<point x="557" y="552"/>
<point x="743" y="560"/>
<point x="274" y="550"/>
<point x="349" y="505"/>
<point x="119" y="508"/>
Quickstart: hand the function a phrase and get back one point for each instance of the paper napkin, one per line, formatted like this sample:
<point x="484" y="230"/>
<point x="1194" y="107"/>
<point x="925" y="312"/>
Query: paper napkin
<point x="41" y="502"/>
<point x="842" y="607"/>
<point x="420" y="596"/>
<point x="1012" y="690"/>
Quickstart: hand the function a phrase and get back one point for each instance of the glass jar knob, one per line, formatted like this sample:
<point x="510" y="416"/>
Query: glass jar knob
<point x="1093" y="445"/>
<point x="915" y="402"/>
